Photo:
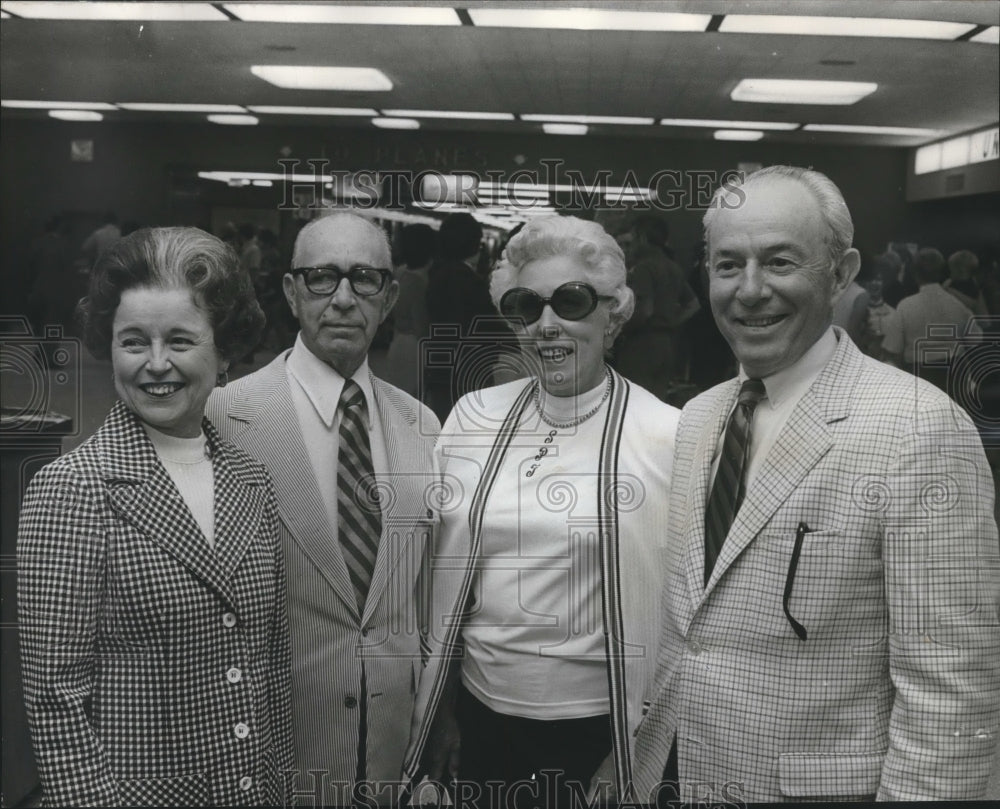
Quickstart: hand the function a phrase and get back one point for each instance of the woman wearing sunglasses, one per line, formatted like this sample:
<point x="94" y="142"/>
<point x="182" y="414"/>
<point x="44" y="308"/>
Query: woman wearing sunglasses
<point x="547" y="575"/>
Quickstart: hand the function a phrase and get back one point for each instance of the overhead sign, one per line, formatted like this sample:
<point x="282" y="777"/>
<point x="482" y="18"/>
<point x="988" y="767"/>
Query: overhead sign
<point x="984" y="146"/>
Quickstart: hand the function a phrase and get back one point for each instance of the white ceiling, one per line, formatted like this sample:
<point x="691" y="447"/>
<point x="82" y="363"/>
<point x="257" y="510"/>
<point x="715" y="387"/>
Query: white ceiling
<point x="952" y="86"/>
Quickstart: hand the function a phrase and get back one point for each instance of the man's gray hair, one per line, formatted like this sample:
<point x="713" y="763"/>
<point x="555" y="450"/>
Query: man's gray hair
<point x="833" y="209"/>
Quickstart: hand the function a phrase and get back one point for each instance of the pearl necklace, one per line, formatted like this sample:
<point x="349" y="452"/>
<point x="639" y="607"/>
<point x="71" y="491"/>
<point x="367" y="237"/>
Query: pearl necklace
<point x="579" y="419"/>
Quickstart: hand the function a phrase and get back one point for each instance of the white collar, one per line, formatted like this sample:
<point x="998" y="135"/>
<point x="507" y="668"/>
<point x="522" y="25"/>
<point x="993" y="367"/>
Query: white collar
<point x="323" y="385"/>
<point x="797" y="377"/>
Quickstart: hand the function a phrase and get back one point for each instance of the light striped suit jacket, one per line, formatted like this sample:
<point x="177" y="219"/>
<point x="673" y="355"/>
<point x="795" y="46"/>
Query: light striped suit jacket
<point x="353" y="676"/>
<point x="895" y="689"/>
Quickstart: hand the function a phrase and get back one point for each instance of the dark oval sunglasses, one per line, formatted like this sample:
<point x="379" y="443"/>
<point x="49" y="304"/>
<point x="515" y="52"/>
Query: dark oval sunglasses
<point x="364" y="281"/>
<point x="573" y="300"/>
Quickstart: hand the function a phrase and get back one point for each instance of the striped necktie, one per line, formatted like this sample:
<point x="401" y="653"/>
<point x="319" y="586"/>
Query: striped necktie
<point x="358" y="512"/>
<point x="730" y="479"/>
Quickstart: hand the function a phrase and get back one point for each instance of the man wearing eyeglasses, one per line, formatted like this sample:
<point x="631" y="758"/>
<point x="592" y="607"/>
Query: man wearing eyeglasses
<point x="830" y="620"/>
<point x="351" y="458"/>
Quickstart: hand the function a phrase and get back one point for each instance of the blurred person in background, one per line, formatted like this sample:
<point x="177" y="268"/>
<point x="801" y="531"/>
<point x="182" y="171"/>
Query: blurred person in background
<point x="962" y="282"/>
<point x="151" y="588"/>
<point x="416" y="246"/>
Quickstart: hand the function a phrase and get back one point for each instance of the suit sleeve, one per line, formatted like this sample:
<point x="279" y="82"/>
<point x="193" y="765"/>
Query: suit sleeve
<point x="942" y="578"/>
<point x="61" y="564"/>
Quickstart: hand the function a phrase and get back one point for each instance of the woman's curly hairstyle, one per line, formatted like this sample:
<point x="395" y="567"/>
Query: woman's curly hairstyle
<point x="549" y="236"/>
<point x="174" y="258"/>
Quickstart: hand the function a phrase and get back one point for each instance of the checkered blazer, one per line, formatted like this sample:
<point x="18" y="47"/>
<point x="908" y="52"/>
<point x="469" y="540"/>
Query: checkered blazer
<point x="156" y="669"/>
<point x="353" y="676"/>
<point x="895" y="689"/>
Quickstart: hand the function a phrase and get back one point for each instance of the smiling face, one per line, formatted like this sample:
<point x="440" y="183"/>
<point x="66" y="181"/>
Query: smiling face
<point x="339" y="328"/>
<point x="164" y="358"/>
<point x="571" y="352"/>
<point x="772" y="284"/>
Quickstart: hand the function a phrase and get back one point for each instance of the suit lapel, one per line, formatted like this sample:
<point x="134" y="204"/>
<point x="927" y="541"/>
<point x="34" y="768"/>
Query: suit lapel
<point x="141" y="492"/>
<point x="697" y="496"/>
<point x="239" y="504"/>
<point x="803" y="441"/>
<point x="405" y="481"/>
<point x="272" y="433"/>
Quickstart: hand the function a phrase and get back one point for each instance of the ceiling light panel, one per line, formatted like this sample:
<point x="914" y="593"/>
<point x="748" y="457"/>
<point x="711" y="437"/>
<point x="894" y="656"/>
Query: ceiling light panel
<point x="797" y="91"/>
<point x="54" y="105"/>
<point x="928" y="159"/>
<point x="990" y="36"/>
<point x="903" y="131"/>
<point x="234" y="120"/>
<point x="564" y="129"/>
<point x="955" y="152"/>
<point x="396" y="123"/>
<point x="738" y="134"/>
<point x="154" y="106"/>
<point x="589" y="119"/>
<point x="842" y="26"/>
<point x="76" y="115"/>
<point x="305" y="77"/>
<point x="349" y="15"/>
<point x="777" y="125"/>
<point x="184" y="12"/>
<point x="588" y="19"/>
<point x="457" y="114"/>
<point x="329" y="111"/>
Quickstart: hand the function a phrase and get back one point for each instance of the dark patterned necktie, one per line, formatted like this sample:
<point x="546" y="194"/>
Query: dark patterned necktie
<point x="358" y="512"/>
<point x="730" y="479"/>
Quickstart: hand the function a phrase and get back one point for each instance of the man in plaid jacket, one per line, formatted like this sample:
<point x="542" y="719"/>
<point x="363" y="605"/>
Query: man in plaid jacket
<point x="844" y="642"/>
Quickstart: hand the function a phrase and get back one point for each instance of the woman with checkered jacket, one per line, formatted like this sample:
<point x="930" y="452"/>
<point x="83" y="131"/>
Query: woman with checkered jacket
<point x="151" y="592"/>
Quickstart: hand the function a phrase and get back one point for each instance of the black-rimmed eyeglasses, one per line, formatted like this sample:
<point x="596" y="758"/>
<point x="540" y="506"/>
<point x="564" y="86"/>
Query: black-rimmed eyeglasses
<point x="573" y="300"/>
<point x="364" y="281"/>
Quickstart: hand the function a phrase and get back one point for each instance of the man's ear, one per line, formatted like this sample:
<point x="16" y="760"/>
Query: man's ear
<point x="288" y="287"/>
<point x="845" y="271"/>
<point x="391" y="295"/>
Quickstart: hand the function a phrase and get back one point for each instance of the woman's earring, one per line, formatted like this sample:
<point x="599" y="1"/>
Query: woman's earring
<point x="222" y="379"/>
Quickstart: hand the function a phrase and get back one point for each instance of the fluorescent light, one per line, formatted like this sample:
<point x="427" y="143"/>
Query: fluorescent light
<point x="143" y="106"/>
<point x="57" y="105"/>
<point x="186" y="12"/>
<point x="842" y="26"/>
<point x="234" y="120"/>
<point x="460" y="114"/>
<point x="305" y="77"/>
<point x="359" y="111"/>
<point x="262" y="183"/>
<point x="351" y="15"/>
<point x="796" y="91"/>
<point x="254" y="176"/>
<point x="4" y="15"/>
<point x="727" y="124"/>
<point x="396" y="123"/>
<point x="928" y="159"/>
<point x="565" y="129"/>
<point x="904" y="131"/>
<point x="588" y="19"/>
<point x="76" y="115"/>
<point x="955" y="152"/>
<point x="738" y="134"/>
<point x="588" y="119"/>
<point x="990" y="36"/>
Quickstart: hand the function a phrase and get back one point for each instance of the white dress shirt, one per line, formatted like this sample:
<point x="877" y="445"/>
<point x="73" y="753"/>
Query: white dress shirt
<point x="784" y="391"/>
<point x="315" y="389"/>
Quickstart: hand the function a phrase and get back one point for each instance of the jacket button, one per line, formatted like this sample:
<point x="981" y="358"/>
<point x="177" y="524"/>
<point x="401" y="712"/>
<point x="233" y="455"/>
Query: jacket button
<point x="695" y="648"/>
<point x="350" y="702"/>
<point x="242" y="730"/>
<point x="246" y="782"/>
<point x="234" y="675"/>
<point x="229" y="620"/>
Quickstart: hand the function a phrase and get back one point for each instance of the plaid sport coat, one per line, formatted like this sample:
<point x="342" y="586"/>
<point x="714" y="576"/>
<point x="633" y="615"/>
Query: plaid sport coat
<point x="354" y="676"/>
<point x="892" y="688"/>
<point x="156" y="668"/>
